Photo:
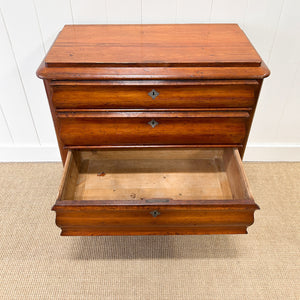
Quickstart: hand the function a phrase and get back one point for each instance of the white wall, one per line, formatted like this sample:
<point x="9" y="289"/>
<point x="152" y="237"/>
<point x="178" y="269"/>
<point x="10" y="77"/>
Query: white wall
<point x="28" y="28"/>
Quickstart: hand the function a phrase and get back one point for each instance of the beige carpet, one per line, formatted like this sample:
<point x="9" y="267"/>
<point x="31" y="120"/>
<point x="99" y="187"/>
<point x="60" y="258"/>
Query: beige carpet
<point x="36" y="263"/>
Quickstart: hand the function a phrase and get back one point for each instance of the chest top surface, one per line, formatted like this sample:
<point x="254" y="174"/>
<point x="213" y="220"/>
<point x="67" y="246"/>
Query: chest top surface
<point x="155" y="52"/>
<point x="152" y="45"/>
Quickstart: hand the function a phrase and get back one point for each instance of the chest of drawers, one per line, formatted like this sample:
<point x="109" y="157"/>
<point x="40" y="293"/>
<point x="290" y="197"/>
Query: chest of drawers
<point x="152" y="122"/>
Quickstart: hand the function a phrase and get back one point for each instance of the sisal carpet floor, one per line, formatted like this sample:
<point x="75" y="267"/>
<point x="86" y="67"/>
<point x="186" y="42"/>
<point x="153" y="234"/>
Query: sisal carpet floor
<point x="36" y="263"/>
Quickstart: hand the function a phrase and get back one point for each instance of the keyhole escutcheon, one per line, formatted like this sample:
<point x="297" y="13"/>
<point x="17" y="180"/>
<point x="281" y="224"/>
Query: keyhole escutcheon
<point x="155" y="213"/>
<point x="153" y="123"/>
<point x="153" y="94"/>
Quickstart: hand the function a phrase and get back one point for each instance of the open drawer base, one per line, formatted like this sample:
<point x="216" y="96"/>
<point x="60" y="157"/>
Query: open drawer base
<point x="154" y="192"/>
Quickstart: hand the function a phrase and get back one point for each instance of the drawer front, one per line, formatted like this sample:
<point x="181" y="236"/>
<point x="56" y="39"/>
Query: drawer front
<point x="153" y="220"/>
<point x="146" y="129"/>
<point x="213" y="94"/>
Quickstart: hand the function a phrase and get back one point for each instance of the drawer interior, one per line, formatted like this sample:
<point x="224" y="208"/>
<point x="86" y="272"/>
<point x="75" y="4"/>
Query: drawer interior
<point x="145" y="176"/>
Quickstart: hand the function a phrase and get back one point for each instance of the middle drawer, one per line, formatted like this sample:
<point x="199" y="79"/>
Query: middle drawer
<point x="87" y="128"/>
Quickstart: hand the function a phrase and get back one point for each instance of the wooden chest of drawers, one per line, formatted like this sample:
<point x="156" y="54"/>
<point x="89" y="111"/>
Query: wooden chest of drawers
<point x="152" y="122"/>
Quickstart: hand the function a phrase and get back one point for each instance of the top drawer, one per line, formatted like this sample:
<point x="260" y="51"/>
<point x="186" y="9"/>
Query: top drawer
<point x="155" y="94"/>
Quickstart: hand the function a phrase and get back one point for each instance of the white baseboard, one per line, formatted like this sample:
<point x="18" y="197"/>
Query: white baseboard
<point x="288" y="152"/>
<point x="30" y="153"/>
<point x="51" y="153"/>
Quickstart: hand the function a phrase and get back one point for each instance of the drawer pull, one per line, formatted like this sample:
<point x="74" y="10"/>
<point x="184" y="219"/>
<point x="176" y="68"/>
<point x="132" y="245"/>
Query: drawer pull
<point x="153" y="123"/>
<point x="153" y="94"/>
<point x="155" y="213"/>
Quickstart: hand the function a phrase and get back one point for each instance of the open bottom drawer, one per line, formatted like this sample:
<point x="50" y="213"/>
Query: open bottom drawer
<point x="154" y="191"/>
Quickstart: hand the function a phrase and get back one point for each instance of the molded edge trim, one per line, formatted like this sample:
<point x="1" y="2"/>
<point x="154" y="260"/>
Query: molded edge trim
<point x="151" y="73"/>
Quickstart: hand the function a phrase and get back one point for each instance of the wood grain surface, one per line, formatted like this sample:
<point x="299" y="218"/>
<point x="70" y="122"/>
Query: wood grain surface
<point x="122" y="94"/>
<point x="172" y="128"/>
<point x="145" y="73"/>
<point x="152" y="45"/>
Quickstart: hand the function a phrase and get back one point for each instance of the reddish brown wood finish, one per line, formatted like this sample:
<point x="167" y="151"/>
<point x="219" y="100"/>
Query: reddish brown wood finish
<point x="49" y="91"/>
<point x="112" y="129"/>
<point x="136" y="95"/>
<point x="97" y="79"/>
<point x="149" y="73"/>
<point x="137" y="220"/>
<point x="153" y="45"/>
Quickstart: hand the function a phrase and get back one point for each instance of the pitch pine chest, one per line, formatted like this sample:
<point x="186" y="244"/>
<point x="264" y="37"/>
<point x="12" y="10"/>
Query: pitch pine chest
<point x="152" y="122"/>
